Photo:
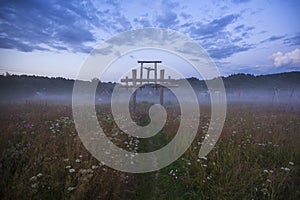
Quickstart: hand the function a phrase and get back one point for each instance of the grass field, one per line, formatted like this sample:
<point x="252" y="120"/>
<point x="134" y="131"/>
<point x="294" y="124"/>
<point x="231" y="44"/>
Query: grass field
<point x="257" y="156"/>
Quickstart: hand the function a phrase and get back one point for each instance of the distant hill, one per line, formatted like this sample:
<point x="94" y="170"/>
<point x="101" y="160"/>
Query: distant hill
<point x="20" y="87"/>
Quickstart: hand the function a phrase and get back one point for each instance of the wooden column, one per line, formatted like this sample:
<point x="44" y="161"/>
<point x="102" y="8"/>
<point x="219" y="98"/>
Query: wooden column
<point x="141" y="73"/>
<point x="134" y="93"/>
<point x="126" y="83"/>
<point x="155" y="73"/>
<point x="161" y="93"/>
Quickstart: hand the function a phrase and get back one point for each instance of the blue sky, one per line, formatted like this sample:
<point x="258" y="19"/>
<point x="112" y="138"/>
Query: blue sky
<point x="53" y="38"/>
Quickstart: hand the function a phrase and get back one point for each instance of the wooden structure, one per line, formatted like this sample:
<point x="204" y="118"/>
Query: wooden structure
<point x="139" y="82"/>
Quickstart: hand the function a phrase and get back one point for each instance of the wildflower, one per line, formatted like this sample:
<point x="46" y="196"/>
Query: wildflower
<point x="83" y="171"/>
<point x="27" y="125"/>
<point x="78" y="160"/>
<point x="72" y="170"/>
<point x="33" y="178"/>
<point x="34" y="185"/>
<point x="266" y="171"/>
<point x="66" y="159"/>
<point x="204" y="158"/>
<point x="291" y="163"/>
<point x="68" y="167"/>
<point x="39" y="175"/>
<point x="94" y="167"/>
<point x="71" y="188"/>
<point x="285" y="169"/>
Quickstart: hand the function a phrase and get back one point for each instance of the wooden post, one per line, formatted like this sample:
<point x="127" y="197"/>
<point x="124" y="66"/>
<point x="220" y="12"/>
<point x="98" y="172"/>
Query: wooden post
<point x="134" y="93"/>
<point x="134" y="100"/>
<point x="162" y="75"/>
<point x="155" y="72"/>
<point x="134" y="77"/>
<point x="126" y="83"/>
<point x="161" y="93"/>
<point x="148" y="75"/>
<point x="141" y="73"/>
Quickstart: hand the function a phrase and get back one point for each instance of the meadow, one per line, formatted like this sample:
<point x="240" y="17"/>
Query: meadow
<point x="256" y="157"/>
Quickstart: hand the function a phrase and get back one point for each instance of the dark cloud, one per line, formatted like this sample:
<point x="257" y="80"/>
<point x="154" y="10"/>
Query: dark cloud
<point x="217" y="39"/>
<point x="243" y="28"/>
<point x="61" y="25"/>
<point x="227" y="51"/>
<point x="29" y="24"/>
<point x="168" y="17"/>
<point x="273" y="38"/>
<point x="239" y="28"/>
<point x="213" y="28"/>
<point x="240" y="1"/>
<point x="293" y="41"/>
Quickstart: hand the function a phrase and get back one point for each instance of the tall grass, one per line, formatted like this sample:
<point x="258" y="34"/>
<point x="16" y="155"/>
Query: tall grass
<point x="257" y="156"/>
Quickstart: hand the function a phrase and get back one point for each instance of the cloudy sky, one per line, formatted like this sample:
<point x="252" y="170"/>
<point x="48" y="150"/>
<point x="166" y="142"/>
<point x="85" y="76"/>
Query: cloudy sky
<point x="53" y="38"/>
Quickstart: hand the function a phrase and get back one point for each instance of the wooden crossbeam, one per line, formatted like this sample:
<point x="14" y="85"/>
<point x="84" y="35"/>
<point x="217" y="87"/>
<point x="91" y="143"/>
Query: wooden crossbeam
<point x="128" y="80"/>
<point x="148" y="61"/>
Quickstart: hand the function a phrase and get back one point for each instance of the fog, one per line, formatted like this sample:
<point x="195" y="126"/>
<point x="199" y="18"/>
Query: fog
<point x="152" y="95"/>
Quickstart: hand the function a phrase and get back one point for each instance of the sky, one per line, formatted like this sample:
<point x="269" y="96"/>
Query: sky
<point x="54" y="38"/>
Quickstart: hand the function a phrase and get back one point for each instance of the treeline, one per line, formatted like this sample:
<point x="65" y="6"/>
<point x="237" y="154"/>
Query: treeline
<point x="20" y="86"/>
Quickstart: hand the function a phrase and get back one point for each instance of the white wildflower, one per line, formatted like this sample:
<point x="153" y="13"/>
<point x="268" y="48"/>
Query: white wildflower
<point x="34" y="185"/>
<point x="72" y="170"/>
<point x="94" y="167"/>
<point x="285" y="169"/>
<point x="71" y="189"/>
<point x="266" y="171"/>
<point x="204" y="158"/>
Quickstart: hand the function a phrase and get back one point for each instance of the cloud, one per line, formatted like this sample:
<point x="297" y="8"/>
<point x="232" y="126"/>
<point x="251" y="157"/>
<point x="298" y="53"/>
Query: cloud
<point x="226" y="51"/>
<point x="59" y="25"/>
<point x="213" y="28"/>
<point x="273" y="38"/>
<point x="185" y="15"/>
<point x="168" y="17"/>
<point x="143" y="20"/>
<point x="293" y="41"/>
<point x="290" y="58"/>
<point x="219" y="41"/>
<point x="32" y="24"/>
<point x="239" y="1"/>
